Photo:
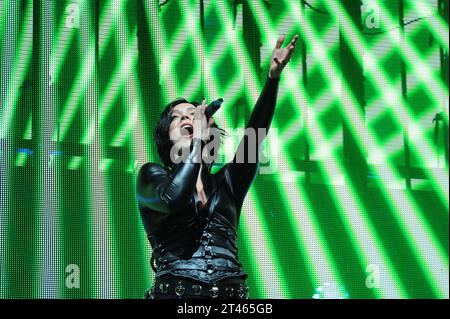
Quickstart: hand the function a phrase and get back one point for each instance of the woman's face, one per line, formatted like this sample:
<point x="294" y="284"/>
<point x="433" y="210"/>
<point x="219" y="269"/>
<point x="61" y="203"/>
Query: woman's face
<point x="181" y="124"/>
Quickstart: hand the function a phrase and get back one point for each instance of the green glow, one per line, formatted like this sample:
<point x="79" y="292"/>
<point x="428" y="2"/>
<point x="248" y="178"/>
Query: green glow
<point x="27" y="135"/>
<point x="363" y="239"/>
<point x="303" y="226"/>
<point x="435" y="24"/>
<point x="75" y="162"/>
<point x="326" y="273"/>
<point x="21" y="159"/>
<point x="18" y="70"/>
<point x="424" y="248"/>
<point x="393" y="96"/>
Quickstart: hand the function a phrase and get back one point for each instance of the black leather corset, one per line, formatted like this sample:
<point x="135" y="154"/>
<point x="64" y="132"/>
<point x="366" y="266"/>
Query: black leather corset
<point x="199" y="241"/>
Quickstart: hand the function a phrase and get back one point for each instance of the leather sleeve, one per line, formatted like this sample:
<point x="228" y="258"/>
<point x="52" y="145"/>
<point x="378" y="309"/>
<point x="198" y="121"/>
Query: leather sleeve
<point x="159" y="190"/>
<point x="244" y="167"/>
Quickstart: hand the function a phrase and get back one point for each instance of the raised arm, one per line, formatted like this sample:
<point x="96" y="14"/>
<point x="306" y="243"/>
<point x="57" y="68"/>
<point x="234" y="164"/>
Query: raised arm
<point x="245" y="164"/>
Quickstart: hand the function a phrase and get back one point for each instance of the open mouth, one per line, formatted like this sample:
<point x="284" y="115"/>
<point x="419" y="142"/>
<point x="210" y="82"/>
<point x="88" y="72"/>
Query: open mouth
<point x="187" y="130"/>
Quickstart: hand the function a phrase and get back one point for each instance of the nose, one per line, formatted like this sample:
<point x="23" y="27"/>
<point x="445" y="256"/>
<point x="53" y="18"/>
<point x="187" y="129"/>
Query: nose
<point x="185" y="117"/>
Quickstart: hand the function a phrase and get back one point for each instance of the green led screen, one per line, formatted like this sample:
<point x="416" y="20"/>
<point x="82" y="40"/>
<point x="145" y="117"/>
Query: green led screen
<point x="352" y="198"/>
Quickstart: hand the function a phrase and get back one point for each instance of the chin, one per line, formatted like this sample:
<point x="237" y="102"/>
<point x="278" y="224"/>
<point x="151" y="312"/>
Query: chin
<point x="184" y="142"/>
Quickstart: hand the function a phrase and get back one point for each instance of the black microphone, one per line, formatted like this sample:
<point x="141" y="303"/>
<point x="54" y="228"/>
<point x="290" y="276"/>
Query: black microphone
<point x="213" y="107"/>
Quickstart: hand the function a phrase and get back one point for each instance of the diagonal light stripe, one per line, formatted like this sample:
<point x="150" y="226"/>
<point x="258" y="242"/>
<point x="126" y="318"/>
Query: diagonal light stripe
<point x="405" y="215"/>
<point x="353" y="215"/>
<point x="410" y="55"/>
<point x="19" y="69"/>
<point x="47" y="203"/>
<point x="104" y="270"/>
<point x="316" y="251"/>
<point x="435" y="23"/>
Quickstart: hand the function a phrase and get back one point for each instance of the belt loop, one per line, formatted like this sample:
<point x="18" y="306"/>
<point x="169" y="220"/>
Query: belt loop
<point x="243" y="291"/>
<point x="163" y="287"/>
<point x="197" y="289"/>
<point x="214" y="291"/>
<point x="180" y="289"/>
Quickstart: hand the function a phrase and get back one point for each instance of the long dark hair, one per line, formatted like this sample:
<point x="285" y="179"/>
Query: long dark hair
<point x="162" y="139"/>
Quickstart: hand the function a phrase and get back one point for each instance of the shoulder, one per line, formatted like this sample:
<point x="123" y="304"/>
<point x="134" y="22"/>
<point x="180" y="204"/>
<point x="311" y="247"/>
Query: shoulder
<point x="150" y="171"/>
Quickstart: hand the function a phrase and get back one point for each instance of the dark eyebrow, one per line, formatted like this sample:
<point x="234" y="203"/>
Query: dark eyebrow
<point x="191" y="108"/>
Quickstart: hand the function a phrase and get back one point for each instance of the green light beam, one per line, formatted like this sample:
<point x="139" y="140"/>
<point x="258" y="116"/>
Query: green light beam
<point x="102" y="255"/>
<point x="409" y="53"/>
<point x="422" y="247"/>
<point x="393" y="97"/>
<point x="61" y="45"/>
<point x="19" y="69"/>
<point x="308" y="235"/>
<point x="435" y="23"/>
<point x="192" y="23"/>
<point x="363" y="235"/>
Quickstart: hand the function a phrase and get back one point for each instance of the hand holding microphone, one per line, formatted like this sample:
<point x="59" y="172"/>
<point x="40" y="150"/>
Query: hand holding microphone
<point x="212" y="108"/>
<point x="203" y="118"/>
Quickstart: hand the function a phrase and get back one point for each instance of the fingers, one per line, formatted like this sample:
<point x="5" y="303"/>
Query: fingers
<point x="280" y="41"/>
<point x="277" y="61"/>
<point x="210" y="122"/>
<point x="200" y="110"/>
<point x="290" y="48"/>
<point x="294" y="40"/>
<point x="288" y="52"/>
<point x="205" y="106"/>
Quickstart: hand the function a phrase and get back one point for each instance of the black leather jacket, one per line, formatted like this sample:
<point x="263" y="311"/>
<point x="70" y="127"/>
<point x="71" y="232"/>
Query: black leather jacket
<point x="190" y="240"/>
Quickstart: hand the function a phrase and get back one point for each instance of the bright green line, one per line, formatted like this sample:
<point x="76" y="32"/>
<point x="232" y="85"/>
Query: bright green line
<point x="3" y="23"/>
<point x="19" y="70"/>
<point x="78" y="88"/>
<point x="61" y="44"/>
<point x="76" y="92"/>
<point x="358" y="124"/>
<point x="313" y="248"/>
<point x="435" y="23"/>
<point x="333" y="166"/>
<point x="75" y="163"/>
<point x="28" y="134"/>
<point x="21" y="159"/>
<point x="415" y="62"/>
<point x="127" y="63"/>
<point x="105" y="17"/>
<point x="392" y="97"/>
<point x="436" y="88"/>
<point x="105" y="164"/>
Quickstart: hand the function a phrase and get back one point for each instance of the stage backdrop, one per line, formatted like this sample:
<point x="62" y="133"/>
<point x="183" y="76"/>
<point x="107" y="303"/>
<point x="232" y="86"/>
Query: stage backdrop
<point x="352" y="198"/>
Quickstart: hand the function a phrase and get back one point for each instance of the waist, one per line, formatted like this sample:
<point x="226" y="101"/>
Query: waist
<point x="208" y="265"/>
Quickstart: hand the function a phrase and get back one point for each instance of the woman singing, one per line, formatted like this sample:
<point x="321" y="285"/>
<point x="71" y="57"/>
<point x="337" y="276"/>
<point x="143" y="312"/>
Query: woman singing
<point x="191" y="215"/>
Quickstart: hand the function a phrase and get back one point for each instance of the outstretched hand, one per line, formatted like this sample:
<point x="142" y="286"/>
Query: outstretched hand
<point x="281" y="56"/>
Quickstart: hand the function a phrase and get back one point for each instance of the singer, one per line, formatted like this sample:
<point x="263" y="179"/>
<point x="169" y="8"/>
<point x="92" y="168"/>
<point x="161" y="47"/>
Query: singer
<point x="190" y="215"/>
